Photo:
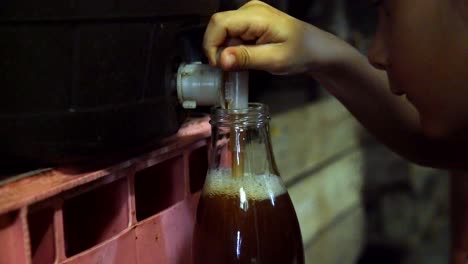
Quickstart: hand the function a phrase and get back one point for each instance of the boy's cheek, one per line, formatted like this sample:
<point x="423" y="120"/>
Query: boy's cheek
<point x="434" y="128"/>
<point x="411" y="79"/>
<point x="442" y="127"/>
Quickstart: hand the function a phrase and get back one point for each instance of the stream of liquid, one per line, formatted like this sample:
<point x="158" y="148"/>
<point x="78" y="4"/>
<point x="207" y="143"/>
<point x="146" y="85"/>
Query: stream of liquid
<point x="237" y="134"/>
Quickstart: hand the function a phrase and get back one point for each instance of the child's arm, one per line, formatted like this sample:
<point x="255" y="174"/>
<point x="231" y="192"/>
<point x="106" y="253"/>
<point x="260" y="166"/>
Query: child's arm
<point x="285" y="45"/>
<point x="365" y="92"/>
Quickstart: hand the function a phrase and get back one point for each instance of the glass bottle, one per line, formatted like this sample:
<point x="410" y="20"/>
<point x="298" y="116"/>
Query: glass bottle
<point x="245" y="214"/>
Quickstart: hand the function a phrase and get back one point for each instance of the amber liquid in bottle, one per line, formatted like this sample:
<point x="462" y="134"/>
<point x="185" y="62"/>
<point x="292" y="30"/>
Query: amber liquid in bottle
<point x="245" y="214"/>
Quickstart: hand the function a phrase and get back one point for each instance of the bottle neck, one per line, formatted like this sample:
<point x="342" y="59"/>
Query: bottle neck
<point x="255" y="115"/>
<point x="241" y="141"/>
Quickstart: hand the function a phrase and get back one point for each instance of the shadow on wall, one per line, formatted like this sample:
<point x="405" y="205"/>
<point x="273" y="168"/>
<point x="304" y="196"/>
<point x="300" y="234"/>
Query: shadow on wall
<point x="406" y="207"/>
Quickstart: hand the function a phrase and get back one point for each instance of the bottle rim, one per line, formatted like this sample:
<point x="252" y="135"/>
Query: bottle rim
<point x="254" y="115"/>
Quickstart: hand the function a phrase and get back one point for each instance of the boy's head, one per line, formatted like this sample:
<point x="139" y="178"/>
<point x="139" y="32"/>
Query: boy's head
<point x="423" y="46"/>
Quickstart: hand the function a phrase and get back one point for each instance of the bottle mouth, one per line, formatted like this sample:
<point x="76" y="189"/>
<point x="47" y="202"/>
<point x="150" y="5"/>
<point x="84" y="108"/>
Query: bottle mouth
<point x="254" y="115"/>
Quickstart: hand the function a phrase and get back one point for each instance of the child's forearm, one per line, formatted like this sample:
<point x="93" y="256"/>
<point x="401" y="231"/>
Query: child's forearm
<point x="365" y="92"/>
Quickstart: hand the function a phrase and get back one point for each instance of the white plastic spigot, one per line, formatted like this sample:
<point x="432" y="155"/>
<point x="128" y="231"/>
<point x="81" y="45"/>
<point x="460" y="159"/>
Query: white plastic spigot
<point x="198" y="85"/>
<point x="236" y="90"/>
<point x="236" y="86"/>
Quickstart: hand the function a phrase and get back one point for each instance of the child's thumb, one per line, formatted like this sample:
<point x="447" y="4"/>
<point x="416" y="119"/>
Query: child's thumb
<point x="245" y="57"/>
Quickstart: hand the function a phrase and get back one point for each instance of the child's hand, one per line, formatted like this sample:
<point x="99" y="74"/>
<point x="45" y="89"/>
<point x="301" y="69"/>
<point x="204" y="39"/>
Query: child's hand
<point x="274" y="42"/>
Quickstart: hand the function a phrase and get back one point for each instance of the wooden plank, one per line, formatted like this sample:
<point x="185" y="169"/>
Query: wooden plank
<point x="321" y="197"/>
<point x="307" y="136"/>
<point x="341" y="243"/>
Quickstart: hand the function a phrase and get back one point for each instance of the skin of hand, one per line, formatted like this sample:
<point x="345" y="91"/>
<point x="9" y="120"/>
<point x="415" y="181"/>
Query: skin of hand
<point x="419" y="50"/>
<point x="274" y="41"/>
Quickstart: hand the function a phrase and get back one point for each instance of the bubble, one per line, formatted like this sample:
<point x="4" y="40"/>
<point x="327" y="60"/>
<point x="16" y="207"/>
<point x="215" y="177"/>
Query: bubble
<point x="254" y="187"/>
